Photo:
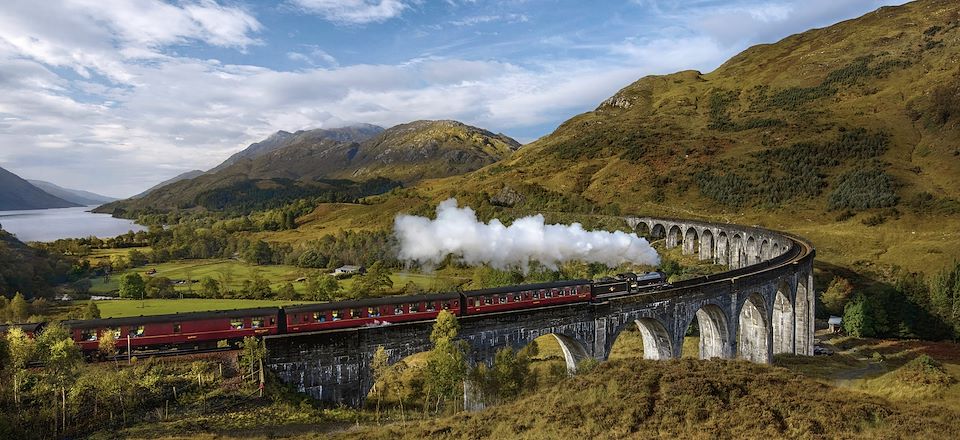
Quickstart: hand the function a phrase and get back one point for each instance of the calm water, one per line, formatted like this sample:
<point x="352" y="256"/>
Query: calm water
<point x="53" y="224"/>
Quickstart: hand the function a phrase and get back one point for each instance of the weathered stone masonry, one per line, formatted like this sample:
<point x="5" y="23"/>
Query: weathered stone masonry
<point x="762" y="306"/>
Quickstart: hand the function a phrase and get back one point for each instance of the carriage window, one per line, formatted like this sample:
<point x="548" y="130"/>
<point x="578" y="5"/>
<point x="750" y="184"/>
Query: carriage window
<point x="355" y="313"/>
<point x="319" y="317"/>
<point x="536" y="295"/>
<point x="398" y="310"/>
<point x="256" y="323"/>
<point x="503" y="299"/>
<point x="548" y="294"/>
<point x="273" y="321"/>
<point x="306" y="318"/>
<point x="446" y="306"/>
<point x="89" y="335"/>
<point x="336" y="315"/>
<point x="414" y="308"/>
<point x="431" y="306"/>
<point x="139" y="331"/>
<point x="477" y="302"/>
<point x="116" y="333"/>
<point x="176" y="327"/>
<point x="487" y="300"/>
<point x="373" y="312"/>
<point x="236" y="324"/>
<point x="517" y="297"/>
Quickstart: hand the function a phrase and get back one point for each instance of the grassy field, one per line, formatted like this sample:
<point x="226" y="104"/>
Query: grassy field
<point x="119" y="308"/>
<point x="233" y="273"/>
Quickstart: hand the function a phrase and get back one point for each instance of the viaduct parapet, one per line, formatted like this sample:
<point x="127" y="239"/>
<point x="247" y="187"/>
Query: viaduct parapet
<point x="763" y="305"/>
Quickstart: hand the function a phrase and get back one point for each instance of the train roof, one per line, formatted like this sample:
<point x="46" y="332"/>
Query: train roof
<point x="175" y="317"/>
<point x="650" y="276"/>
<point x="371" y="302"/>
<point x="30" y="327"/>
<point x="522" y="287"/>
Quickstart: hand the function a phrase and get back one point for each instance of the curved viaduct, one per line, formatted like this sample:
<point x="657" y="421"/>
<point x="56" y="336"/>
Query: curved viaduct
<point x="761" y="306"/>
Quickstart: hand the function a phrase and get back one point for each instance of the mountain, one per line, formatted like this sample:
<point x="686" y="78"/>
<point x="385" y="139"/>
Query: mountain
<point x="407" y="152"/>
<point x="861" y="115"/>
<point x="846" y="135"/>
<point x="281" y="139"/>
<point x="316" y="162"/>
<point x="85" y="198"/>
<point x="16" y="194"/>
<point x="183" y="176"/>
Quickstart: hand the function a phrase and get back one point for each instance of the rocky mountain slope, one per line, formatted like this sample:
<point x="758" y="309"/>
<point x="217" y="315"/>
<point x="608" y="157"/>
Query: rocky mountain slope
<point x="16" y="194"/>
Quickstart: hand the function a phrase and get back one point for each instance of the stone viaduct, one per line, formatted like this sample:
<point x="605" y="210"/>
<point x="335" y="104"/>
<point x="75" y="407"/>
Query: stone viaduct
<point x="761" y="306"/>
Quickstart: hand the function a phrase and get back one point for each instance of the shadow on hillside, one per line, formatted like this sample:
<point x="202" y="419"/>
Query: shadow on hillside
<point x="898" y="314"/>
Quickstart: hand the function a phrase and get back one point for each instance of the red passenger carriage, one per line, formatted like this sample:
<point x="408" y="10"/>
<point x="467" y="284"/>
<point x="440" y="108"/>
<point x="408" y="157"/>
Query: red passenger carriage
<point x="374" y="311"/>
<point x="526" y="296"/>
<point x="189" y="330"/>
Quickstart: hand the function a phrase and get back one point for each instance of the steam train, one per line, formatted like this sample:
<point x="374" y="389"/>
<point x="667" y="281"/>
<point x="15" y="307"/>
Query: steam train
<point x="203" y="330"/>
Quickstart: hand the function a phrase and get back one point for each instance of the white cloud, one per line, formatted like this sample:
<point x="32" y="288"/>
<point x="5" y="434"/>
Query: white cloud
<point x="314" y="56"/>
<point x="354" y="11"/>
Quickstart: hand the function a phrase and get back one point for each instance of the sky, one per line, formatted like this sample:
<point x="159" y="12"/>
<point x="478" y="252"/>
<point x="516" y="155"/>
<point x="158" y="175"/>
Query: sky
<point x="114" y="96"/>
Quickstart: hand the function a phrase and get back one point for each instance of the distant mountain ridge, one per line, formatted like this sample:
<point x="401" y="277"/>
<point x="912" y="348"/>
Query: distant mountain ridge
<point x="16" y="194"/>
<point x="405" y="153"/>
<point x="85" y="198"/>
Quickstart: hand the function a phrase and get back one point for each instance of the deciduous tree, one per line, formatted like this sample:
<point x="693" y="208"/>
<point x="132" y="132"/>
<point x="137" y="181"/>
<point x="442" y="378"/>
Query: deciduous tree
<point x="19" y="309"/>
<point x="91" y="311"/>
<point x="132" y="286"/>
<point x="446" y="363"/>
<point x="837" y="295"/>
<point x="21" y="349"/>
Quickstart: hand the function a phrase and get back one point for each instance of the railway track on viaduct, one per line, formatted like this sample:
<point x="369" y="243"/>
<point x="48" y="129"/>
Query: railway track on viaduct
<point x="762" y="305"/>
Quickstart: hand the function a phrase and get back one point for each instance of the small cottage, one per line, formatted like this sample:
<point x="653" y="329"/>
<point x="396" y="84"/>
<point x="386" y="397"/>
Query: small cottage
<point x="835" y="323"/>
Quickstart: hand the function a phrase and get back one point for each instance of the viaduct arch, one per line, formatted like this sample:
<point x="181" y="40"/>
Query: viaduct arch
<point x="762" y="305"/>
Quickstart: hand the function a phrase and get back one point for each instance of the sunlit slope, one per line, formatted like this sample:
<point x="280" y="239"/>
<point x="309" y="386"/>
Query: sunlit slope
<point x="686" y="399"/>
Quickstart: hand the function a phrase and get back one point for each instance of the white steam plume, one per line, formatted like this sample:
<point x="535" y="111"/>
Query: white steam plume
<point x="457" y="231"/>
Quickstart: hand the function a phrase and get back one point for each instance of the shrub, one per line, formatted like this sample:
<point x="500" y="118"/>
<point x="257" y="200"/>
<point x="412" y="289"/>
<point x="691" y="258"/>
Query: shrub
<point x="874" y="220"/>
<point x="924" y="371"/>
<point x="864" y="188"/>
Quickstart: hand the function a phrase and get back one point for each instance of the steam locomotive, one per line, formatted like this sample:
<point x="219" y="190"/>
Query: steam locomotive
<point x="203" y="330"/>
